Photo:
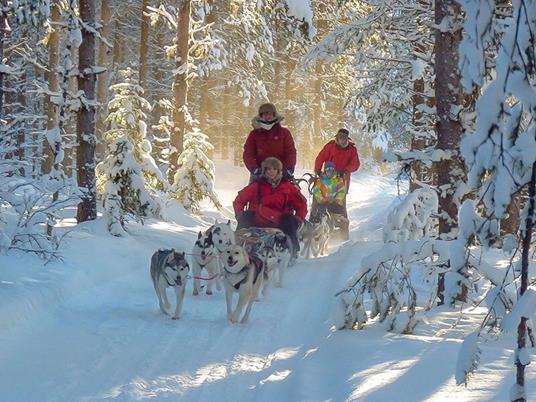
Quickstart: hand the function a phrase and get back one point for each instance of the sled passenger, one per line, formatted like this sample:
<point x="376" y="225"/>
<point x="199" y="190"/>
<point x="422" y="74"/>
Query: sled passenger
<point x="269" y="139"/>
<point x="338" y="156"/>
<point x="272" y="201"/>
<point x="343" y="153"/>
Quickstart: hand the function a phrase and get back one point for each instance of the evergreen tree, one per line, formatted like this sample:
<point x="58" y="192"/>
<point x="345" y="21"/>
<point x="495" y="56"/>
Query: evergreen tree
<point x="128" y="177"/>
<point x="194" y="179"/>
<point x="127" y="118"/>
<point x="124" y="190"/>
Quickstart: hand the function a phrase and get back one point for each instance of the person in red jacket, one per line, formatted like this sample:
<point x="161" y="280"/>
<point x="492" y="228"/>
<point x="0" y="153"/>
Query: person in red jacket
<point x="269" y="138"/>
<point x="271" y="201"/>
<point x="343" y="153"/>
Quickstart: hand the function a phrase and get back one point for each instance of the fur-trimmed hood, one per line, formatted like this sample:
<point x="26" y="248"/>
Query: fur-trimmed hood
<point x="258" y="124"/>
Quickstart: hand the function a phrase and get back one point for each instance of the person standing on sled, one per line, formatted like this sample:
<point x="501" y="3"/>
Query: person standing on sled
<point x="272" y="201"/>
<point x="341" y="155"/>
<point x="269" y="139"/>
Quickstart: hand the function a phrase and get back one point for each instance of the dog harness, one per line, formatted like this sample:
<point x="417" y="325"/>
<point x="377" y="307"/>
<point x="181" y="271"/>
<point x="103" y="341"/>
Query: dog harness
<point x="239" y="277"/>
<point x="257" y="266"/>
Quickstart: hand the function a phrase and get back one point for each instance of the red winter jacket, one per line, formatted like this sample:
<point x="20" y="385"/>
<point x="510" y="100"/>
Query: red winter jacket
<point x="276" y="142"/>
<point x="346" y="160"/>
<point x="283" y="199"/>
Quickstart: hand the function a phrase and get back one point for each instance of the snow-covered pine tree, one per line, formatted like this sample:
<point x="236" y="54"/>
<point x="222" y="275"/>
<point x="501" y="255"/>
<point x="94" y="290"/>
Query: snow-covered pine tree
<point x="194" y="179"/>
<point x="501" y="153"/>
<point x="128" y="176"/>
<point x="127" y="118"/>
<point x="124" y="191"/>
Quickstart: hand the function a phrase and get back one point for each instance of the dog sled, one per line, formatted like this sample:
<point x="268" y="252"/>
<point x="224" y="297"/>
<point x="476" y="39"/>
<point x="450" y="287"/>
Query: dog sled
<point x="329" y="202"/>
<point x="256" y="239"/>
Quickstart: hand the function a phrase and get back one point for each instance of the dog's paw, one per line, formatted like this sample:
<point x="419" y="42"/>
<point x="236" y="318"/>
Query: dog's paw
<point x="209" y="292"/>
<point x="163" y="310"/>
<point x="175" y="318"/>
<point x="195" y="292"/>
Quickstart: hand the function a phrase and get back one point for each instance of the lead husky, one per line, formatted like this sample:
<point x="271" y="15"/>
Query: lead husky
<point x="205" y="257"/>
<point x="169" y="269"/>
<point x="244" y="276"/>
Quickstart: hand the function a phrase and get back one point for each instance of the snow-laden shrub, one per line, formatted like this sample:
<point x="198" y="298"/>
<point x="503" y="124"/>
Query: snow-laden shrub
<point x="27" y="205"/>
<point x="411" y="219"/>
<point x="124" y="190"/>
<point x="385" y="277"/>
<point x="194" y="179"/>
<point x="384" y="285"/>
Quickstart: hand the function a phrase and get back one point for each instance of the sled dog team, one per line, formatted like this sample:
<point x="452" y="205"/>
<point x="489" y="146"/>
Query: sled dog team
<point x="270" y="213"/>
<point x="246" y="267"/>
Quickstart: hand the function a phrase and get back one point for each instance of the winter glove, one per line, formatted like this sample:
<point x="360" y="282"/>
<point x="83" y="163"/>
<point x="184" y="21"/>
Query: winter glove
<point x="289" y="174"/>
<point x="256" y="172"/>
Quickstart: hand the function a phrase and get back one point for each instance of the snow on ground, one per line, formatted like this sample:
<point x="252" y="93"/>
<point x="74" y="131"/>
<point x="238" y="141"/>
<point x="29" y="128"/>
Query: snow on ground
<point x="89" y="329"/>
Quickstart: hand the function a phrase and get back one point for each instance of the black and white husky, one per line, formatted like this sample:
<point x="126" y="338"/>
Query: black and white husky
<point x="205" y="257"/>
<point x="243" y="275"/>
<point x="169" y="269"/>
<point x="222" y="235"/>
<point x="282" y="247"/>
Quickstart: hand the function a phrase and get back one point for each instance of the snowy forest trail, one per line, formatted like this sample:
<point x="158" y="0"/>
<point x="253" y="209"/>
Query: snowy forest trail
<point x="103" y="338"/>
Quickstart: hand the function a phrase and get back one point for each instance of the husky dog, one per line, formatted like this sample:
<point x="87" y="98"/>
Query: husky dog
<point x="283" y="252"/>
<point x="270" y="261"/>
<point x="222" y="235"/>
<point x="242" y="274"/>
<point x="315" y="234"/>
<point x="169" y="269"/>
<point x="204" y="256"/>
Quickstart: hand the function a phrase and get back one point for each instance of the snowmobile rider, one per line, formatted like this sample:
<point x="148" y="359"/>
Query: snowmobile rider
<point x="272" y="201"/>
<point x="343" y="153"/>
<point x="269" y="139"/>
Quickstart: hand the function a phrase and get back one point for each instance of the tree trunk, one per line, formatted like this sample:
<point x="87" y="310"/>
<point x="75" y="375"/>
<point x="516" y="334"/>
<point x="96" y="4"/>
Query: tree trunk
<point x="417" y="143"/>
<point x="85" y="128"/>
<point x="448" y="95"/>
<point x="53" y="82"/>
<point x="525" y="260"/>
<point x="144" y="43"/>
<point x="317" y="103"/>
<point x="226" y="121"/>
<point x="102" y="82"/>
<point x="289" y="94"/>
<point x="117" y="55"/>
<point x="3" y="37"/>
<point x="180" y="84"/>
<point x="510" y="224"/>
<point x="205" y="105"/>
